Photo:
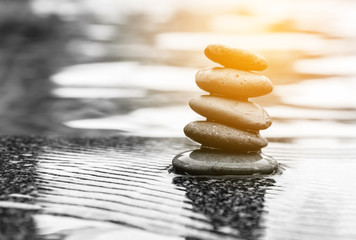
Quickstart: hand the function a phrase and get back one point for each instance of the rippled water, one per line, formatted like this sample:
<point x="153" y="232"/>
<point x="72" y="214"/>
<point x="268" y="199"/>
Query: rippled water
<point x="117" y="187"/>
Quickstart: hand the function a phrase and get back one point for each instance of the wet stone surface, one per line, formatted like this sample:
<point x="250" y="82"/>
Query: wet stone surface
<point x="217" y="135"/>
<point x="239" y="114"/>
<point x="219" y="162"/>
<point x="235" y="58"/>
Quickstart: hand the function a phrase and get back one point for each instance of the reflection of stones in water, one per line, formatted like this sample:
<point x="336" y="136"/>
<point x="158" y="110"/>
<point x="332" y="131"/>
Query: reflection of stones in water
<point x="233" y="206"/>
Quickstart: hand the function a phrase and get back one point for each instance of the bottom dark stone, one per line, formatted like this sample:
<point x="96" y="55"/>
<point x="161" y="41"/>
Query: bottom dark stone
<point x="219" y="162"/>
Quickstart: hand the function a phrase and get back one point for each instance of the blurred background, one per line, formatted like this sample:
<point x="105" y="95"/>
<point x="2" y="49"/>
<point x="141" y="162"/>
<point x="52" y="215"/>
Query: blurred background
<point x="105" y="68"/>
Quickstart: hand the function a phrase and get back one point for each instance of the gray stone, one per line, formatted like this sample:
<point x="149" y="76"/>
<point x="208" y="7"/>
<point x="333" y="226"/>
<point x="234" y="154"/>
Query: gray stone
<point x="216" y="135"/>
<point x="218" y="162"/>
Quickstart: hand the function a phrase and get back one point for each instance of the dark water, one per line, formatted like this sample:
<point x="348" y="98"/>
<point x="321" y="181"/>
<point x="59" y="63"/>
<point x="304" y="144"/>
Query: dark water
<point x="125" y="82"/>
<point x="106" y="188"/>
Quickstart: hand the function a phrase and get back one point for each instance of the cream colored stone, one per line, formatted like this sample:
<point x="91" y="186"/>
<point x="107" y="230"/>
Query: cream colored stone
<point x="234" y="113"/>
<point x="233" y="83"/>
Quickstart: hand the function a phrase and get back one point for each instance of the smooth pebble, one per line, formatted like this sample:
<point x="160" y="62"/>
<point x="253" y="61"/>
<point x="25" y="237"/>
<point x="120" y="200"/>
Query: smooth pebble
<point x="218" y="162"/>
<point x="235" y="58"/>
<point x="235" y="113"/>
<point x="233" y="83"/>
<point x="216" y="135"/>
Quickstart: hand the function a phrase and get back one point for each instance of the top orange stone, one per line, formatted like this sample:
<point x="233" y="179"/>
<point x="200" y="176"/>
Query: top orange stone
<point x="235" y="58"/>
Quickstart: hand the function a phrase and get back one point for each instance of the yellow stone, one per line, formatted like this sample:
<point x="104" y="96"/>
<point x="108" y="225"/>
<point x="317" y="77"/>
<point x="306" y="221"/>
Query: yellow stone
<point x="233" y="83"/>
<point x="235" y="58"/>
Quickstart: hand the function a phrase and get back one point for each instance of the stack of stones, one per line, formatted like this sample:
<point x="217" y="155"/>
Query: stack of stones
<point x="230" y="136"/>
